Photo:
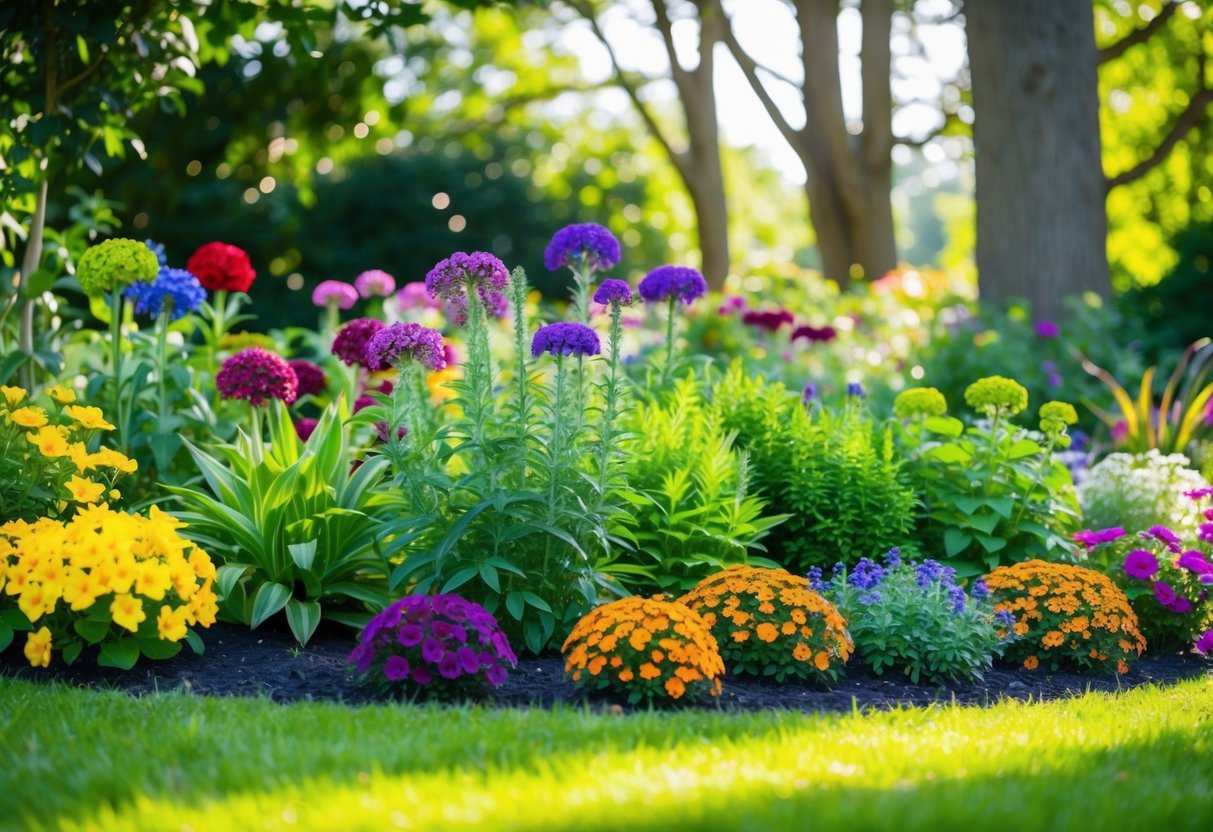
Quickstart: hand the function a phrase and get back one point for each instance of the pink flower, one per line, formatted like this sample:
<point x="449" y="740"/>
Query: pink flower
<point x="1047" y="329"/>
<point x="1091" y="538"/>
<point x="257" y="376"/>
<point x="1204" y="644"/>
<point x="334" y="293"/>
<point x="375" y="283"/>
<point x="1194" y="561"/>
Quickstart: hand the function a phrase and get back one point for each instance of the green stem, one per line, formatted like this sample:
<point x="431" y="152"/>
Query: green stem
<point x="258" y="446"/>
<point x="162" y="383"/>
<point x="992" y="451"/>
<point x="557" y="430"/>
<point x="116" y="304"/>
<point x="1040" y="475"/>
<point x="581" y="293"/>
<point x="518" y="289"/>
<point x="669" y="341"/>
<point x="480" y="375"/>
<point x="612" y="393"/>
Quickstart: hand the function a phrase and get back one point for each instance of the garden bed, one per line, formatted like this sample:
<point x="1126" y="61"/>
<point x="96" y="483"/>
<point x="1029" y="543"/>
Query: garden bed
<point x="268" y="663"/>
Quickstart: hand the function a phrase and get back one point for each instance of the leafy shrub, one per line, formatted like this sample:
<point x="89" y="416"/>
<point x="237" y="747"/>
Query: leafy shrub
<point x="437" y="644"/>
<point x="645" y="649"/>
<point x="52" y="463"/>
<point x="1137" y="491"/>
<point x="915" y="618"/>
<point x="126" y="583"/>
<point x="1066" y="615"/>
<point x="692" y="512"/>
<point x="834" y="474"/>
<point x="770" y="623"/>
<point x="294" y="524"/>
<point x="992" y="493"/>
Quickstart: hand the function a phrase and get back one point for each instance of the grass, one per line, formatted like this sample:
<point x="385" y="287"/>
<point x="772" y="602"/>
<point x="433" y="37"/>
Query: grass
<point x="82" y="760"/>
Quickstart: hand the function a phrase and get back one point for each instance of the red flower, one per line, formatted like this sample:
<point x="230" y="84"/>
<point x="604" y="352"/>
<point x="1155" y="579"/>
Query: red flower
<point x="222" y="268"/>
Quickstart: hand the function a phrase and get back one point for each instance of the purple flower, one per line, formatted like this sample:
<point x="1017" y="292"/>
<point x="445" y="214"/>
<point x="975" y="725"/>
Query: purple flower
<point x="311" y="378"/>
<point x="396" y="668"/>
<point x="771" y="321"/>
<point x="666" y="282"/>
<point x="456" y="309"/>
<point x="814" y="334"/>
<point x="415" y="296"/>
<point x="422" y="675"/>
<point x="565" y="338"/>
<point x="1164" y="593"/>
<point x="350" y="343"/>
<point x="495" y="675"/>
<point x="1204" y="644"/>
<point x="409" y="635"/>
<point x="398" y="343"/>
<point x="1047" y="329"/>
<point x="809" y="393"/>
<point x="614" y="291"/>
<point x="956" y="597"/>
<point x="816" y="581"/>
<point x="364" y="401"/>
<point x="1140" y="564"/>
<point x="334" y="293"/>
<point x="866" y="575"/>
<point x="1165" y="536"/>
<point x="448" y="666"/>
<point x="1199" y="494"/>
<point x="1194" y="561"/>
<point x="375" y="283"/>
<point x="980" y="590"/>
<point x="468" y="660"/>
<point x="855" y="389"/>
<point x="257" y="376"/>
<point x="869" y="598"/>
<point x="1089" y="538"/>
<point x="175" y="291"/>
<point x="1180" y="605"/>
<point x="1004" y="618"/>
<point x="731" y="304"/>
<point x="456" y="275"/>
<point x="1206" y="532"/>
<point x="362" y="656"/>
<point x="930" y="571"/>
<point x="305" y="426"/>
<point x="432" y="650"/>
<point x="585" y="244"/>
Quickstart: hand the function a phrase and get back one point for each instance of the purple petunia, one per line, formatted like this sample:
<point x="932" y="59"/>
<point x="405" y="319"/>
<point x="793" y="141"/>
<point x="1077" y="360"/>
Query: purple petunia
<point x="1180" y="606"/>
<point x="1164" y="593"/>
<point x="1047" y="329"/>
<point x="396" y="668"/>
<point x="257" y="376"/>
<point x="666" y="282"/>
<point x="1140" y="564"/>
<point x="350" y="343"/>
<point x="1204" y="644"/>
<point x="586" y="244"/>
<point x="824" y="334"/>
<point x="1090" y="538"/>
<point x="613" y="291"/>
<point x="1165" y="536"/>
<point x="399" y="343"/>
<point x="565" y="338"/>
<point x="1194" y="561"/>
<point x="311" y="378"/>
<point x="410" y="635"/>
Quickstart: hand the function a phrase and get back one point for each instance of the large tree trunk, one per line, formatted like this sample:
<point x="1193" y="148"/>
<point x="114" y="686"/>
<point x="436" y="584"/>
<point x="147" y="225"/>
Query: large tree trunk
<point x="1041" y="219"/>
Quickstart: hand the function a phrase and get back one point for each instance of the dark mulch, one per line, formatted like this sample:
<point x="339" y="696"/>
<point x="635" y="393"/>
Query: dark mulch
<point x="268" y="663"/>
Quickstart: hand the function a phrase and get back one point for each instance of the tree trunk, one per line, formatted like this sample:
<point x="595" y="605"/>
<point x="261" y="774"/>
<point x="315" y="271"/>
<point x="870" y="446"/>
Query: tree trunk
<point x="1041" y="219"/>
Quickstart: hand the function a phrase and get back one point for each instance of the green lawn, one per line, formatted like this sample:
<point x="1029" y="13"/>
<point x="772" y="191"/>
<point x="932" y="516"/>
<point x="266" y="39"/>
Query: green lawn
<point x="80" y="760"/>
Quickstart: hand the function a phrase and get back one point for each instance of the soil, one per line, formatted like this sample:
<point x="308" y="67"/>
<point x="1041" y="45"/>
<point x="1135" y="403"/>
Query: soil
<point x="268" y="663"/>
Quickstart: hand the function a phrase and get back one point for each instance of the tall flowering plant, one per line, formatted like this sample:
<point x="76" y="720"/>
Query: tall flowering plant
<point x="585" y="249"/>
<point x="669" y="285"/>
<point x="226" y="272"/>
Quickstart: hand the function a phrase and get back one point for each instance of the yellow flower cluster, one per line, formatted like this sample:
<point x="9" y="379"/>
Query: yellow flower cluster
<point x="1066" y="614"/>
<point x="770" y="623"/>
<point x="134" y="571"/>
<point x="644" y="648"/>
<point x="48" y="453"/>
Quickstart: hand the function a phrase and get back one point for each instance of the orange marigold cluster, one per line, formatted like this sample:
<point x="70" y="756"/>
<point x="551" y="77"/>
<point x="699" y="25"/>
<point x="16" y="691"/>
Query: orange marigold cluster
<point x="644" y="649"/>
<point x="770" y="623"/>
<point x="1066" y="614"/>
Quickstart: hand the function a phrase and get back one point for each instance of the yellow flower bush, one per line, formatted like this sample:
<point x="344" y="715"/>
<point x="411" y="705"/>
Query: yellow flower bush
<point x="645" y="649"/>
<point x="129" y="583"/>
<point x="51" y="459"/>
<point x="768" y="622"/>
<point x="1066" y="615"/>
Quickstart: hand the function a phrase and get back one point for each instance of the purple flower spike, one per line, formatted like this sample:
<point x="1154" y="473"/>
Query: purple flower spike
<point x="257" y="376"/>
<point x="565" y="338"/>
<point x="667" y="282"/>
<point x="350" y="343"/>
<point x="584" y="244"/>
<point x="451" y="277"/>
<point x="1141" y="565"/>
<point x="614" y="291"/>
<point x="399" y="343"/>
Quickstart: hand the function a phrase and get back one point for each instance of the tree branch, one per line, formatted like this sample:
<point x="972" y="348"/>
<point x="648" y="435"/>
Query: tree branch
<point x="1191" y="116"/>
<point x="1141" y="34"/>
<point x="77" y="79"/>
<point x="750" y="68"/>
<point x="677" y="72"/>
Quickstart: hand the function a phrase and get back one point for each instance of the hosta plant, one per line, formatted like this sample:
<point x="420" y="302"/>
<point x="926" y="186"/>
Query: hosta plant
<point x="433" y="644"/>
<point x="913" y="617"/>
<point x="644" y="650"/>
<point x="128" y="584"/>
<point x="293" y="523"/>
<point x="769" y="622"/>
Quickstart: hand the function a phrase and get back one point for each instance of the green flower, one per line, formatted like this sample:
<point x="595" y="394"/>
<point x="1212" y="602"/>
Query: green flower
<point x="114" y="264"/>
<point x="1054" y="418"/>
<point x="919" y="401"/>
<point x="995" y="394"/>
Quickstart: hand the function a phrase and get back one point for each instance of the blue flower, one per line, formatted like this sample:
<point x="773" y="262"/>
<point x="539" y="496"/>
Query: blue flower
<point x="666" y="282"/>
<point x="866" y="575"/>
<point x="956" y="596"/>
<point x="565" y="338"/>
<point x="158" y="250"/>
<point x="586" y="243"/>
<point x="855" y="389"/>
<point x="869" y="598"/>
<point x="980" y="590"/>
<point x="1004" y="618"/>
<point x="893" y="558"/>
<point x="174" y="290"/>
<point x="816" y="580"/>
<point x="809" y="393"/>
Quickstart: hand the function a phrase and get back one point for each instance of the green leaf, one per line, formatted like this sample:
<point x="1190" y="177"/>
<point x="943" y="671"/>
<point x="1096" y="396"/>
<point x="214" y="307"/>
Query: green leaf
<point x="195" y="642"/>
<point x="985" y="522"/>
<point x="945" y="426"/>
<point x="956" y="541"/>
<point x="489" y="575"/>
<point x="1003" y="505"/>
<point x="991" y="544"/>
<point x="155" y="648"/>
<point x="536" y="602"/>
<point x="6" y="636"/>
<point x="948" y="454"/>
<point x="303" y="617"/>
<point x="270" y="598"/>
<point x="460" y="578"/>
<point x="70" y="653"/>
<point x="515" y="603"/>
<point x="91" y="631"/>
<point x="227" y="577"/>
<point x="122" y="653"/>
<point x="1023" y="448"/>
<point x="303" y="554"/>
<point x="10" y="362"/>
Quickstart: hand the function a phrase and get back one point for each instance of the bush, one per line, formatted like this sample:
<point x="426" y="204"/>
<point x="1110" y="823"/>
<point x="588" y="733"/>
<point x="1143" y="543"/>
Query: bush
<point x="770" y="623"/>
<point x="438" y="644"/>
<point x="692" y="511"/>
<point x="1137" y="491"/>
<point x="915" y="618"/>
<point x="644" y="649"/>
<point x="126" y="583"/>
<point x="1066" y="615"/>
<point x="835" y="474"/>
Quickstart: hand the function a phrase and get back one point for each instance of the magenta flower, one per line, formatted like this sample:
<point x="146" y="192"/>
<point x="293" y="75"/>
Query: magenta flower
<point x="1164" y="593"/>
<point x="350" y="343"/>
<point x="1140" y="564"/>
<point x="415" y="296"/>
<point x="311" y="378"/>
<point x="399" y="343"/>
<point x="731" y="304"/>
<point x="1194" y="561"/>
<point x="814" y="334"/>
<point x="448" y="666"/>
<point x="771" y="321"/>
<point x="1180" y="605"/>
<point x="453" y="278"/>
<point x="334" y="293"/>
<point x="1165" y="536"/>
<point x="375" y="283"/>
<point x="1047" y="329"/>
<point x="410" y="635"/>
<point x="1090" y="539"/>
<point x="305" y="426"/>
<point x="257" y="376"/>
<point x="1204" y="644"/>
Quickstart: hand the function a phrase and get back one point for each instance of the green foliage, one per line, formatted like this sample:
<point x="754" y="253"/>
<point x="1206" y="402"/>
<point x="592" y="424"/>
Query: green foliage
<point x="294" y="524"/>
<point x="1170" y="317"/>
<point x="835" y="474"/>
<point x="992" y="493"/>
<point x="692" y="513"/>
<point x="1137" y="491"/>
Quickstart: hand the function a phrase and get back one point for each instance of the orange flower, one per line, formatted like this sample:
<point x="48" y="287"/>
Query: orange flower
<point x="1031" y="663"/>
<point x="802" y="653"/>
<point x="1053" y="639"/>
<point x="740" y="635"/>
<point x="596" y="665"/>
<point x="822" y="661"/>
<point x="767" y="632"/>
<point x="674" y="687"/>
<point x="649" y="671"/>
<point x="1121" y="667"/>
<point x="626" y="675"/>
<point x="788" y="628"/>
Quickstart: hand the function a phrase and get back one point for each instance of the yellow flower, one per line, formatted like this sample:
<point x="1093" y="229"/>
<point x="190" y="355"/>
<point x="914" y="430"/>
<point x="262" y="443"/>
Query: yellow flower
<point x="29" y="417"/>
<point x="170" y="623"/>
<point x="85" y="491"/>
<point x="88" y="417"/>
<point x="38" y="645"/>
<point x="127" y="611"/>
<point x="61" y="394"/>
<point x="109" y="458"/>
<point x="13" y="395"/>
<point x="80" y="456"/>
<point x="152" y="580"/>
<point x="50" y="441"/>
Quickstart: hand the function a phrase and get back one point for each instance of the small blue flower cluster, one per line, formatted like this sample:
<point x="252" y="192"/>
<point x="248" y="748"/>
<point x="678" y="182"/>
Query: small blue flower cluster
<point x="174" y="290"/>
